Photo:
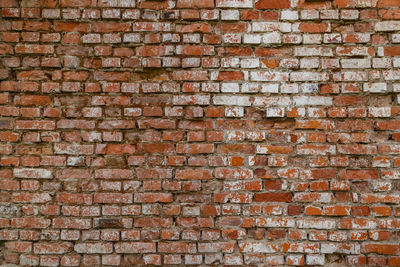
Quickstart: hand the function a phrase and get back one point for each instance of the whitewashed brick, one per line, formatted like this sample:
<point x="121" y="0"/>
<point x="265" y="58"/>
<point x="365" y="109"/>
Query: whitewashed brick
<point x="275" y="112"/>
<point x="316" y="224"/>
<point x="33" y="173"/>
<point x="210" y="87"/>
<point x="190" y="62"/>
<point x="250" y="38"/>
<point x="396" y="38"/>
<point x="309" y="14"/>
<point x="131" y="38"/>
<point x="271" y="88"/>
<point x="191" y="100"/>
<point x="313" y="51"/>
<point x="315" y="259"/>
<point x="250" y="87"/>
<point x="379" y="111"/>
<point x="232" y="38"/>
<point x="209" y="14"/>
<point x="116" y="3"/>
<point x="51" y="13"/>
<point x="296" y="260"/>
<point x="391" y="75"/>
<point x="312" y="38"/>
<point x="332" y="38"/>
<point x="351" y="76"/>
<point x="330" y="63"/>
<point x="250" y="63"/>
<point x="269" y="76"/>
<point x="289" y="88"/>
<point x="312" y="100"/>
<point x="278" y="222"/>
<point x="309" y="76"/>
<point x="232" y="100"/>
<point x="289" y="63"/>
<point x="191" y="38"/>
<point x="349" y="14"/>
<point x="329" y="14"/>
<point x="396" y="62"/>
<point x="396" y="87"/>
<point x="230" y="62"/>
<point x="271" y="26"/>
<point x="257" y="247"/>
<point x="111" y="13"/>
<point x="230" y="15"/>
<point x="375" y="87"/>
<point x="91" y="38"/>
<point x="292" y="38"/>
<point x="272" y="38"/>
<point x="289" y="15"/>
<point x="350" y="248"/>
<point x="382" y="63"/>
<point x="309" y="63"/>
<point x="129" y="14"/>
<point x="356" y="63"/>
<point x="361" y="37"/>
<point x="387" y="26"/>
<point x="235" y="3"/>
<point x="272" y="101"/>
<point x="234" y="111"/>
<point x="354" y="51"/>
<point x="230" y="88"/>
<point x="309" y="88"/>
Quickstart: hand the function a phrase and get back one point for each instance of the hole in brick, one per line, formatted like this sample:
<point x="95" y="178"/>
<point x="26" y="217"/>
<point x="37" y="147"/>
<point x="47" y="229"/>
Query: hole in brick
<point x="115" y="162"/>
<point x="109" y="223"/>
<point x="157" y="74"/>
<point x="337" y="259"/>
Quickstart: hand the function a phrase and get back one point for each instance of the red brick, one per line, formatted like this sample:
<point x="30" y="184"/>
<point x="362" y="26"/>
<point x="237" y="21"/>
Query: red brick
<point x="273" y="197"/>
<point x="52" y="248"/>
<point x="71" y="27"/>
<point x="194" y="4"/>
<point x="76" y="3"/>
<point x="193" y="174"/>
<point x="270" y="4"/>
<point x="387" y="3"/>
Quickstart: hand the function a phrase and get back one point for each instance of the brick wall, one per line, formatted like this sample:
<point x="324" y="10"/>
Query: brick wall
<point x="200" y="132"/>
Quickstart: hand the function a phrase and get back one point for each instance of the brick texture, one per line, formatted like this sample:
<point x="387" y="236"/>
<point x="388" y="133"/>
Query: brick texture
<point x="200" y="132"/>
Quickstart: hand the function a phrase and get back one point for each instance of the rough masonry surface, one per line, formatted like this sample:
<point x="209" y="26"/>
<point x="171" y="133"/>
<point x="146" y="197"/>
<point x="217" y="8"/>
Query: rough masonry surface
<point x="200" y="132"/>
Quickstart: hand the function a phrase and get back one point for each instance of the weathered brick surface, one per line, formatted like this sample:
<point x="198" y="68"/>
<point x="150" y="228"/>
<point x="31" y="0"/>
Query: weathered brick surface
<point x="200" y="132"/>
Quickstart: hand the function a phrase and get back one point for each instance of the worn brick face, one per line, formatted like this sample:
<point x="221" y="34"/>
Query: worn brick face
<point x="199" y="132"/>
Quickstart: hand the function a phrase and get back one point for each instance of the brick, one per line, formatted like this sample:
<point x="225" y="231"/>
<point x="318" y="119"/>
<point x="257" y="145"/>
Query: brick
<point x="52" y="248"/>
<point x="234" y="3"/>
<point x="194" y="4"/>
<point x="197" y="174"/>
<point x="153" y="197"/>
<point x="31" y="197"/>
<point x="273" y="197"/>
<point x="387" y="26"/>
<point x="27" y="223"/>
<point x="33" y="173"/>
<point x="34" y="49"/>
<point x="112" y="198"/>
<point x="176" y="247"/>
<point x="94" y="248"/>
<point x="71" y="223"/>
<point x="268" y="4"/>
<point x="385" y="249"/>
